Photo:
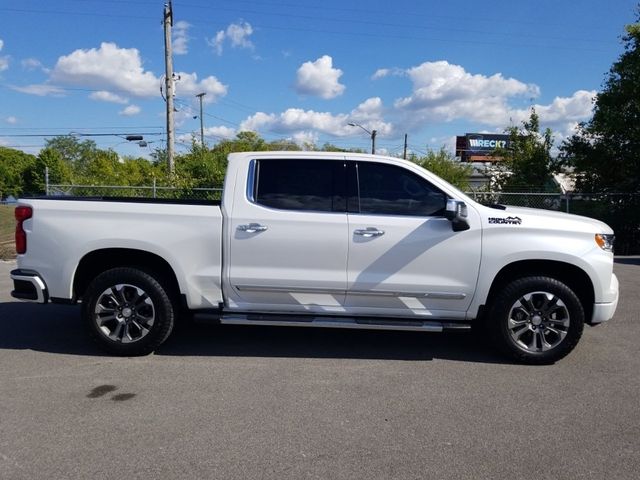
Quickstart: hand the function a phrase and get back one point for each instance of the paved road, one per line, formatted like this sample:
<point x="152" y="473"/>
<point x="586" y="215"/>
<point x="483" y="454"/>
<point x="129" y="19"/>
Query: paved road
<point x="286" y="403"/>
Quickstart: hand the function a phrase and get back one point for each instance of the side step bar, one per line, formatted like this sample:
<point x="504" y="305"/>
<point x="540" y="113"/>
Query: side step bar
<point x="341" y="322"/>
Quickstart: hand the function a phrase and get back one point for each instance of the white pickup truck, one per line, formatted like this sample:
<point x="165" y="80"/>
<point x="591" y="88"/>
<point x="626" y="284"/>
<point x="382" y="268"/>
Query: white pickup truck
<point x="320" y="239"/>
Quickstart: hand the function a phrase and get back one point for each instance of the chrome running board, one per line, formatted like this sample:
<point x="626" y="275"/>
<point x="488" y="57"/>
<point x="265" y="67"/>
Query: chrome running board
<point x="340" y="322"/>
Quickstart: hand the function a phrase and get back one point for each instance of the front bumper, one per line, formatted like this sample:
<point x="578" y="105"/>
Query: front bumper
<point x="605" y="311"/>
<point x="28" y="286"/>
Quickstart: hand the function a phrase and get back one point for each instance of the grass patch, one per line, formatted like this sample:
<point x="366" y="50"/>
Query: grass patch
<point x="7" y="229"/>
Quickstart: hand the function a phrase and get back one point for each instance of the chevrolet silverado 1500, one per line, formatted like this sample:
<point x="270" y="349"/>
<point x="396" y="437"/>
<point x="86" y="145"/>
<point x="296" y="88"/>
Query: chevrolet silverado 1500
<point x="320" y="239"/>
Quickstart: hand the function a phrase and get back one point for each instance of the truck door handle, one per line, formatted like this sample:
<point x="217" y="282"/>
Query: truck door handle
<point x="369" y="232"/>
<point x="252" y="228"/>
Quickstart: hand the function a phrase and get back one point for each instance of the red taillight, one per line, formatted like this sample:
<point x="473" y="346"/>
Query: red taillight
<point x="22" y="213"/>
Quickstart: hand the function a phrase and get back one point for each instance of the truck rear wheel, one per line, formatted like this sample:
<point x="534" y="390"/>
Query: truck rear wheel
<point x="536" y="320"/>
<point x="127" y="312"/>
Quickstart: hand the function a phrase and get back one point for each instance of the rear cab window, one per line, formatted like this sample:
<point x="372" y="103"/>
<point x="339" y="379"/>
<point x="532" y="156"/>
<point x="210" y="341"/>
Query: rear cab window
<point x="300" y="184"/>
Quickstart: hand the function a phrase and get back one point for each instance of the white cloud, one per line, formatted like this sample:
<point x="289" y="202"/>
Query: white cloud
<point x="319" y="78"/>
<point x="104" y="96"/>
<point x="370" y="109"/>
<point x="33" y="64"/>
<point x="303" y="138"/>
<point x="111" y="69"/>
<point x="563" y="114"/>
<point x="236" y="33"/>
<point x="108" y="67"/>
<point x="188" y="85"/>
<point x="217" y="42"/>
<point x="220" y="131"/>
<point x="39" y="89"/>
<point x="444" y="92"/>
<point x="181" y="38"/>
<point x="130" y="111"/>
<point x="4" y="60"/>
<point x="11" y="120"/>
<point x="385" y="72"/>
<point x="297" y="121"/>
<point x="572" y="109"/>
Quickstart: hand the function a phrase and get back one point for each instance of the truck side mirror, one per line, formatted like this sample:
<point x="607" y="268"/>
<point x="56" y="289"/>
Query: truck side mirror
<point x="456" y="212"/>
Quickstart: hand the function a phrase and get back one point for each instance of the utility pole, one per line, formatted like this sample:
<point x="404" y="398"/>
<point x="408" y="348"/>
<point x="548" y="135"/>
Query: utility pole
<point x="404" y="153"/>
<point x="200" y="95"/>
<point x="168" y="60"/>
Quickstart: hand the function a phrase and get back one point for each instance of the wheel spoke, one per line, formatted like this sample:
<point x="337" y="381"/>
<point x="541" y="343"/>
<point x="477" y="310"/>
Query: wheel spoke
<point x="105" y="318"/>
<point x="525" y="304"/>
<point x="116" y="333"/>
<point x="517" y="334"/>
<point x="559" y="333"/>
<point x="559" y="321"/>
<point x="142" y="300"/>
<point x="141" y="327"/>
<point x="543" y="342"/>
<point x="549" y="305"/>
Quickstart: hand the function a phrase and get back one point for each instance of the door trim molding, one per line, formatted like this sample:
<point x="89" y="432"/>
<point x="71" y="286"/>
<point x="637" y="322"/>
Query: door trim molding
<point x="331" y="291"/>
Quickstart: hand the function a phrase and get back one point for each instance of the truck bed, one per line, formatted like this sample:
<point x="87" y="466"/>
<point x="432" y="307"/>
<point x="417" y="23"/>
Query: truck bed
<point x="186" y="234"/>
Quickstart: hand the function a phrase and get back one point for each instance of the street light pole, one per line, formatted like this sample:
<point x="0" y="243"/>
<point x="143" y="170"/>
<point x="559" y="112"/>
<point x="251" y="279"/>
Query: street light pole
<point x="372" y="134"/>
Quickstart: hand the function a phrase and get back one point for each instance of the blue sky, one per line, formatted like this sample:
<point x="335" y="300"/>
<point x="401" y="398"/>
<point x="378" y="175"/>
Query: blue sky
<point x="303" y="70"/>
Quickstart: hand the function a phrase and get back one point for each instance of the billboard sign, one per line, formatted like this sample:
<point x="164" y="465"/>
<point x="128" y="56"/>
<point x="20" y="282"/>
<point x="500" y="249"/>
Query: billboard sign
<point x="479" y="145"/>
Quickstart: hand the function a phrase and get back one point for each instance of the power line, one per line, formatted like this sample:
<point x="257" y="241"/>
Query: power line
<point x="350" y="32"/>
<point x="76" y="134"/>
<point x="79" y="128"/>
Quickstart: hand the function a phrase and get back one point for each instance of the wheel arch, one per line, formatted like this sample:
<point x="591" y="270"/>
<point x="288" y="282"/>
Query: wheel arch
<point x="572" y="276"/>
<point x="98" y="261"/>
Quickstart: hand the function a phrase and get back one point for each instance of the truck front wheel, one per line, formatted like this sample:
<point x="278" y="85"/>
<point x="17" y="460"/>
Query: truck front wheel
<point x="127" y="312"/>
<point x="536" y="320"/>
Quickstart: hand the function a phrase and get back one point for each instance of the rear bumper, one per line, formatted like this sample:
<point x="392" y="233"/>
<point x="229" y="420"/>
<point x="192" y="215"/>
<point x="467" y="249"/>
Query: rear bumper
<point x="605" y="311"/>
<point x="28" y="286"/>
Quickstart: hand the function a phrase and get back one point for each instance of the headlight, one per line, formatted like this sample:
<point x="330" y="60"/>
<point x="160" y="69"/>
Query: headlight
<point x="605" y="241"/>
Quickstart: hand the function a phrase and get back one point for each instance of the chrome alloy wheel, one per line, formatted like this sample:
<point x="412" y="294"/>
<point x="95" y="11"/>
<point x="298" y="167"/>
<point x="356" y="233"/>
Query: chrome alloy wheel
<point x="538" y="322"/>
<point x="124" y="313"/>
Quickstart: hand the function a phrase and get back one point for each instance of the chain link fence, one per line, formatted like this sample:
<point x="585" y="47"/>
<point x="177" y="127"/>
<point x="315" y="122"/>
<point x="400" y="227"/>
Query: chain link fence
<point x="154" y="191"/>
<point x="575" y="202"/>
<point x="619" y="210"/>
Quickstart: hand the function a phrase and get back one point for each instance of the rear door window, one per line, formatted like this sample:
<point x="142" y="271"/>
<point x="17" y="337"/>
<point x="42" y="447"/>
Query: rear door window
<point x="315" y="185"/>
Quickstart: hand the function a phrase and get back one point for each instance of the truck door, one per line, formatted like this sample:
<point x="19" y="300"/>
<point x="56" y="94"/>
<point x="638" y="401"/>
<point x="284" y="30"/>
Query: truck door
<point x="404" y="257"/>
<point x="289" y="237"/>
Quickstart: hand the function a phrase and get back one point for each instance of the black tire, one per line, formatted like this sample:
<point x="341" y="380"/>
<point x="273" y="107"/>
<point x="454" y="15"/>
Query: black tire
<point x="127" y="312"/>
<point x="536" y="320"/>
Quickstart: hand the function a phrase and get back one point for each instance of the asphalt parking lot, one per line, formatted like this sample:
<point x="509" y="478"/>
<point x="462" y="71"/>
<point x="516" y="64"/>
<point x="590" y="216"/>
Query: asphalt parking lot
<point x="287" y="403"/>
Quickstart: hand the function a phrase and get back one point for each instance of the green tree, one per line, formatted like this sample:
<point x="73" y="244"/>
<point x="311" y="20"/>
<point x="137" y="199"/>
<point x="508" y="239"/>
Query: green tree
<point x="444" y="164"/>
<point x="72" y="150"/>
<point x="527" y="164"/>
<point x="60" y="171"/>
<point x="330" y="147"/>
<point x="13" y="165"/>
<point x="605" y="151"/>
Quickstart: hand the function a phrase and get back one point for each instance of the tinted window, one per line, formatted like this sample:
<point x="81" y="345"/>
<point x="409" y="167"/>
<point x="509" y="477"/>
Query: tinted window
<point x="390" y="190"/>
<point x="301" y="185"/>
